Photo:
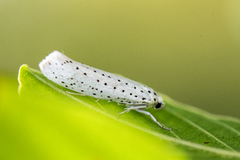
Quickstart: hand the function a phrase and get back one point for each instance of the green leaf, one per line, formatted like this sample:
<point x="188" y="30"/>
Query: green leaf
<point x="53" y="124"/>
<point x="45" y="122"/>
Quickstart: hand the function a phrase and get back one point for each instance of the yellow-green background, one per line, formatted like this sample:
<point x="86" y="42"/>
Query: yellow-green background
<point x="189" y="50"/>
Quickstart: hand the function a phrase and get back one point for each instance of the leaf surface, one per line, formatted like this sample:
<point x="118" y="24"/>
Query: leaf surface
<point x="72" y="118"/>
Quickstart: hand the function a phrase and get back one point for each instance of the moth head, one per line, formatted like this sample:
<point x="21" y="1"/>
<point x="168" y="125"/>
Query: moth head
<point x="160" y="105"/>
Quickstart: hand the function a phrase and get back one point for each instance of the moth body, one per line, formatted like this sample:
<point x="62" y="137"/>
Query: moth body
<point x="99" y="84"/>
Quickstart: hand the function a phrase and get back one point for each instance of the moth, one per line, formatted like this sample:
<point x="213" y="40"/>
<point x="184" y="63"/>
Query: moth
<point x="100" y="84"/>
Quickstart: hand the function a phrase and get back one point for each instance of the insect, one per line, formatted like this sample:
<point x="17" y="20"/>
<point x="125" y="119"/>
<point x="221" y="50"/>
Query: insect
<point x="100" y="84"/>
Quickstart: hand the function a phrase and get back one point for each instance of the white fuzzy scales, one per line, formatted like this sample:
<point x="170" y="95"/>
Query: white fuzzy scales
<point x="99" y="84"/>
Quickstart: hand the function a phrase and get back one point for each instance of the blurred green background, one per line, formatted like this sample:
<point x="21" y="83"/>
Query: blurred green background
<point x="189" y="50"/>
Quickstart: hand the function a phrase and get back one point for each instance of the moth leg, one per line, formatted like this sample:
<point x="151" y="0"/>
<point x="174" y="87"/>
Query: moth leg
<point x="154" y="119"/>
<point x="79" y="94"/>
<point x="131" y="108"/>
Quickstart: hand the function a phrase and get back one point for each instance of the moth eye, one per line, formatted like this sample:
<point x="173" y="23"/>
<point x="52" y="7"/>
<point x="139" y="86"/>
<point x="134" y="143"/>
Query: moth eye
<point x="158" y="106"/>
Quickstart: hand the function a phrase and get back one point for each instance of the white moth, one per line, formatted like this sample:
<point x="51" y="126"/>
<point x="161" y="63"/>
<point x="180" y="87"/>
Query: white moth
<point x="100" y="84"/>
